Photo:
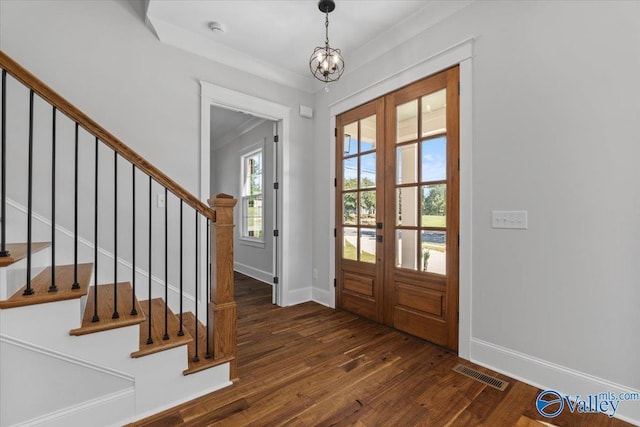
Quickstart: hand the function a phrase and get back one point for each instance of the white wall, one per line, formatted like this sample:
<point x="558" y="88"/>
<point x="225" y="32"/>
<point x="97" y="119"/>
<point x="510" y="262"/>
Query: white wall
<point x="250" y="258"/>
<point x="555" y="112"/>
<point x="101" y="57"/>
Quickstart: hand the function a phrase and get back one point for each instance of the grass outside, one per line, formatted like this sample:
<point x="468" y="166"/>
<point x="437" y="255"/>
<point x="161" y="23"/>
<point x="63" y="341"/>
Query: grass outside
<point x="434" y="221"/>
<point x="427" y="220"/>
<point x="434" y="247"/>
<point x="349" y="252"/>
<point x="366" y="219"/>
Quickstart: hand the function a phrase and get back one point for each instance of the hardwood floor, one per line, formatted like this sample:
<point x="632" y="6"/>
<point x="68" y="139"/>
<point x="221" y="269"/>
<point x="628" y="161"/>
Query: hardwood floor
<point x="309" y="365"/>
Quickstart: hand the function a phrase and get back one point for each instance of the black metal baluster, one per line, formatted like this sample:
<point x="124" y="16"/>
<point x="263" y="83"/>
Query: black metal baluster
<point x="95" y="318"/>
<point x="166" y="268"/>
<point x="180" y="332"/>
<point x="207" y="355"/>
<point x="3" y="136"/>
<point x="53" y="287"/>
<point x="134" y="312"/>
<point x="195" y="337"/>
<point x="149" y="339"/>
<point x="75" y="285"/>
<point x="115" y="314"/>
<point x="28" y="290"/>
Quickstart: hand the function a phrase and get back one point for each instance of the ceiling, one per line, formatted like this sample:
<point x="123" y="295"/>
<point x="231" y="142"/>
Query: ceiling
<point x="274" y="38"/>
<point x="227" y="125"/>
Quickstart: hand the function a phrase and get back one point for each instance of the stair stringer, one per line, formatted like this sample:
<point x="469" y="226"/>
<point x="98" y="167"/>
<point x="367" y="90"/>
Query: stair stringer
<point x="158" y="382"/>
<point x="41" y="386"/>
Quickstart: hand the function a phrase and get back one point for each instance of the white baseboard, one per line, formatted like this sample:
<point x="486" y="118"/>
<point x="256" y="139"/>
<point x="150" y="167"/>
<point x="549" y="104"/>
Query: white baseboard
<point x="247" y="270"/>
<point x="108" y="409"/>
<point x="292" y="297"/>
<point x="546" y="375"/>
<point x="297" y="296"/>
<point x="323" y="297"/>
<point x="159" y="409"/>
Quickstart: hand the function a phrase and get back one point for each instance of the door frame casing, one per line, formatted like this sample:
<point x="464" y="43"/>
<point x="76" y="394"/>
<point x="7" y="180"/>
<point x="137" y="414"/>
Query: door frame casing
<point x="460" y="54"/>
<point x="218" y="96"/>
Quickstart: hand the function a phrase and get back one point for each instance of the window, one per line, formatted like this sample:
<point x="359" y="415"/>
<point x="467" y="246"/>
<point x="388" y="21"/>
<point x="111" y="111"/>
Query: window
<point x="252" y="203"/>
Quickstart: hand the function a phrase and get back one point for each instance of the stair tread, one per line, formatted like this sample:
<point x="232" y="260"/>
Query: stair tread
<point x="157" y="329"/>
<point x="106" y="307"/>
<point x="189" y="322"/>
<point x="18" y="251"/>
<point x="41" y="283"/>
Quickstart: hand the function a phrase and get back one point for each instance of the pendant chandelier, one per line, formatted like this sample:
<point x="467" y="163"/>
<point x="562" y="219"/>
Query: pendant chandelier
<point x="326" y="63"/>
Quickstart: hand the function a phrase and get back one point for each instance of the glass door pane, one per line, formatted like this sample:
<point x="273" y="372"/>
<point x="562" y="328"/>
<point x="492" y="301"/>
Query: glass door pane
<point x="359" y="189"/>
<point x="434" y="113"/>
<point x="407" y="121"/>
<point x="434" y="251"/>
<point x="421" y="183"/>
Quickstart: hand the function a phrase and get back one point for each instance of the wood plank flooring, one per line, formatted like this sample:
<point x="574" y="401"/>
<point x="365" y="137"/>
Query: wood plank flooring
<point x="309" y="365"/>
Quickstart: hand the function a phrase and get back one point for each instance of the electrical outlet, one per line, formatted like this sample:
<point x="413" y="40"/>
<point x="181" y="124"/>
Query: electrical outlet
<point x="161" y="200"/>
<point x="509" y="219"/>
<point x="315" y="273"/>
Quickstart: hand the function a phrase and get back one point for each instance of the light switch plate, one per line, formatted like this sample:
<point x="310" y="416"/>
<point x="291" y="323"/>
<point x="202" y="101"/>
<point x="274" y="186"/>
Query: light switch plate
<point x="509" y="219"/>
<point x="161" y="200"/>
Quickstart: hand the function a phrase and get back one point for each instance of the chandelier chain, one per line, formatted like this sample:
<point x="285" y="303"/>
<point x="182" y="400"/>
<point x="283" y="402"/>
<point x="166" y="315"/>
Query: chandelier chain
<point x="326" y="29"/>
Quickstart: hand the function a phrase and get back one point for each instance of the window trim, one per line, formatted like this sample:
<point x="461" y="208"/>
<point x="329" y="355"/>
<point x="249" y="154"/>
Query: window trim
<point x="244" y="238"/>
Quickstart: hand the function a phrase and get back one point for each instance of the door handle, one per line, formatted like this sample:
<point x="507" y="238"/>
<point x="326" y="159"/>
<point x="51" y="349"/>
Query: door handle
<point x="379" y="225"/>
<point x="379" y="238"/>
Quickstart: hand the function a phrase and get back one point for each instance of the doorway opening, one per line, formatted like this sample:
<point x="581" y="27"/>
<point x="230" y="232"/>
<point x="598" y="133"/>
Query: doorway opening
<point x="243" y="163"/>
<point x="259" y="154"/>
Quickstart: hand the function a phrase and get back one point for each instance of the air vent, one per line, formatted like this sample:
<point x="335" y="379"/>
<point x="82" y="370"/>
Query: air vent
<point x="483" y="378"/>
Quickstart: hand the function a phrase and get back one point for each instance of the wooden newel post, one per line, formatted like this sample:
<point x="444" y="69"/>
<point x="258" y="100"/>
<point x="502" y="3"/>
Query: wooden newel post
<point x="222" y="306"/>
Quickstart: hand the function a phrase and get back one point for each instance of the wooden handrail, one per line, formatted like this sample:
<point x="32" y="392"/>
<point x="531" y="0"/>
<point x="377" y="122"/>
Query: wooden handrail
<point x="52" y="97"/>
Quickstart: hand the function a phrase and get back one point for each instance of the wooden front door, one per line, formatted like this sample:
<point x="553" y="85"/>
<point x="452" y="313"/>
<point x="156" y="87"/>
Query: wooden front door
<point x="360" y="194"/>
<point x="397" y="198"/>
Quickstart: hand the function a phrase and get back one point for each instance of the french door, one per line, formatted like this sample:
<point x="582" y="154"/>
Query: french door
<point x="397" y="215"/>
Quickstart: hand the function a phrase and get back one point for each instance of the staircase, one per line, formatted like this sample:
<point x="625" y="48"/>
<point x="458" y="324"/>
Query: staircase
<point x="111" y="308"/>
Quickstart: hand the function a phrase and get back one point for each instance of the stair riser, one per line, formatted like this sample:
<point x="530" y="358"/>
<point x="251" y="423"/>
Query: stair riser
<point x="152" y="375"/>
<point x="13" y="277"/>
